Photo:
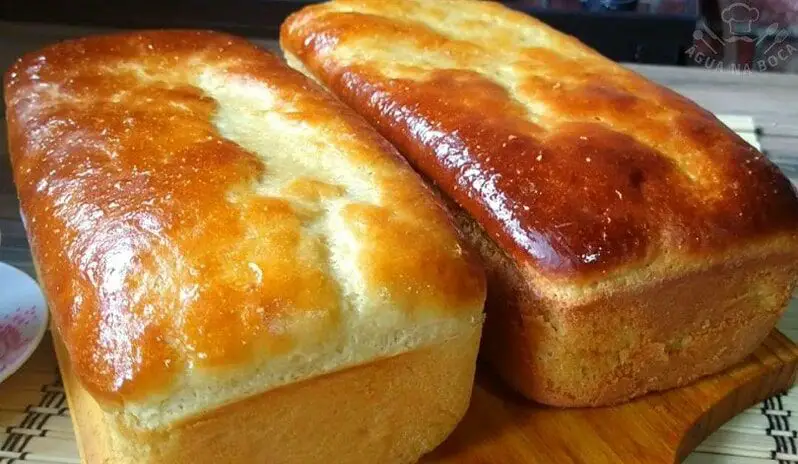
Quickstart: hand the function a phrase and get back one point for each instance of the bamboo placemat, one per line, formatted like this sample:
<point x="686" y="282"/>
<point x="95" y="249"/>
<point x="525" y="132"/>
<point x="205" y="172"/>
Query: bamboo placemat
<point x="37" y="429"/>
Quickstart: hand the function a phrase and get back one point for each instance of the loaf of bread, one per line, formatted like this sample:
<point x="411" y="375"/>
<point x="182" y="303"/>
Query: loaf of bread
<point x="239" y="268"/>
<point x="632" y="242"/>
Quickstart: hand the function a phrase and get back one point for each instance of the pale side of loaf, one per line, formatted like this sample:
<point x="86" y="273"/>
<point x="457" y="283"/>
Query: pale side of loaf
<point x="235" y="261"/>
<point x="633" y="243"/>
<point x="388" y="411"/>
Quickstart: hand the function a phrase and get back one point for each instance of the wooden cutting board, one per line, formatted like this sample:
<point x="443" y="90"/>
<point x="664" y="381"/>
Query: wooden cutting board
<point x="503" y="428"/>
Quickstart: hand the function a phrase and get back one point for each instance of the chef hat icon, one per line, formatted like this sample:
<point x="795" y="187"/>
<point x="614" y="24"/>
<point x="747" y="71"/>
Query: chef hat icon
<point x="739" y="16"/>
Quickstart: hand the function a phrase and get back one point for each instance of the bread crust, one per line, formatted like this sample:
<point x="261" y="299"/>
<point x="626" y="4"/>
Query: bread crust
<point x="574" y="165"/>
<point x="660" y="335"/>
<point x="633" y="243"/>
<point x="390" y="411"/>
<point x="208" y="224"/>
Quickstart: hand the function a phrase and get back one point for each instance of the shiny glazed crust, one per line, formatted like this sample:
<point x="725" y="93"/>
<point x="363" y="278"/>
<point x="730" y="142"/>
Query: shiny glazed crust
<point x="571" y="163"/>
<point x="209" y="225"/>
<point x="388" y="411"/>
<point x="592" y="193"/>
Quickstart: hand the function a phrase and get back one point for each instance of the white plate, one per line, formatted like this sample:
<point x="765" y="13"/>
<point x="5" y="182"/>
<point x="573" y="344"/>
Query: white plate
<point x="23" y="319"/>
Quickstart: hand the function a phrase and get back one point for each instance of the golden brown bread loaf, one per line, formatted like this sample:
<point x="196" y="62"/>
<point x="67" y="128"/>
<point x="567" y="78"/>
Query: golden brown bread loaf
<point x="239" y="268"/>
<point x="633" y="243"/>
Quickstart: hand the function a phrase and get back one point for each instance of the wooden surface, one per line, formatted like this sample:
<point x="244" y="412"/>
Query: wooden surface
<point x="500" y="427"/>
<point x="35" y="424"/>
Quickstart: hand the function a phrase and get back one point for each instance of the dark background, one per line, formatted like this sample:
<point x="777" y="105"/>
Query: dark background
<point x="647" y="31"/>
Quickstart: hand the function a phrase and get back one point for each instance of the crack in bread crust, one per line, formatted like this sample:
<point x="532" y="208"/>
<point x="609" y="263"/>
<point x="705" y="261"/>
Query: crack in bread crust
<point x="208" y="224"/>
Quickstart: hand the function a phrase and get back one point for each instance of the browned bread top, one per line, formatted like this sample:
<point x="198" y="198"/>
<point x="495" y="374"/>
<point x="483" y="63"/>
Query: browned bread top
<point x="575" y="165"/>
<point x="209" y="223"/>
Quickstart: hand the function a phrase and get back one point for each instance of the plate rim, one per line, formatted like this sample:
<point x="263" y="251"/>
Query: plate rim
<point x="12" y="368"/>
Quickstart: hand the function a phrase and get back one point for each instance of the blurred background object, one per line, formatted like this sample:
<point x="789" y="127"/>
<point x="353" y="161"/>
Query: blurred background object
<point x="644" y="31"/>
<point x="743" y="35"/>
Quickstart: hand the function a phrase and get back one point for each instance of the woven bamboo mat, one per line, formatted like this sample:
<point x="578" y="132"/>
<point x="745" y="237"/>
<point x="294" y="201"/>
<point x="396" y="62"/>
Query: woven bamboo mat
<point x="35" y="425"/>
